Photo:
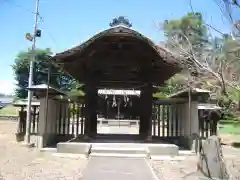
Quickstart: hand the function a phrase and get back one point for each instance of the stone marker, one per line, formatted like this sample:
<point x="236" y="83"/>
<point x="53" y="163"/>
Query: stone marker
<point x="211" y="162"/>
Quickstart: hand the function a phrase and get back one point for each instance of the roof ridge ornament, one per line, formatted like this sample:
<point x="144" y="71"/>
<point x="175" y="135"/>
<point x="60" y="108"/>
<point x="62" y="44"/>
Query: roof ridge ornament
<point x="120" y="20"/>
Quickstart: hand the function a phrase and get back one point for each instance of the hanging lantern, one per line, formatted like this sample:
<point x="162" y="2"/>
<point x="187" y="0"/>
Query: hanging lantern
<point x="125" y="101"/>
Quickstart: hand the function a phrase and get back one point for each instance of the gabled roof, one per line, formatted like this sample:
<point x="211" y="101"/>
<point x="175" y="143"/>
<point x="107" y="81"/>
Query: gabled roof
<point x="208" y="106"/>
<point x="119" y="57"/>
<point x="164" y="53"/>
<point x="43" y="88"/>
<point x="184" y="92"/>
<point x="24" y="102"/>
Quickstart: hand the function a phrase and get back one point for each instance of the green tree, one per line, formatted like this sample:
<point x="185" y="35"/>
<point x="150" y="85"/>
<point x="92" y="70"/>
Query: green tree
<point x="190" y="27"/>
<point x="230" y="58"/>
<point x="21" y="70"/>
<point x="214" y="62"/>
<point x="76" y="89"/>
<point x="188" y="37"/>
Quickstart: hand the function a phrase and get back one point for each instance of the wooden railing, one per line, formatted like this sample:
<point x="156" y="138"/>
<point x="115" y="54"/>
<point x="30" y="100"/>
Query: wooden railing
<point x="167" y="119"/>
<point x="207" y="127"/>
<point x="34" y="120"/>
<point x="71" y="119"/>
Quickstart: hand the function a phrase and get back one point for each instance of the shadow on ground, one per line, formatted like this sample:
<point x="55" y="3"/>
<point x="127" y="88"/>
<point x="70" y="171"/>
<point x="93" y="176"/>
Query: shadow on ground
<point x="236" y="144"/>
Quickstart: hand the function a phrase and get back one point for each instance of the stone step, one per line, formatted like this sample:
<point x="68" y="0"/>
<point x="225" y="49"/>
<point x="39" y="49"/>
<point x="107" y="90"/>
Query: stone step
<point x="53" y="150"/>
<point x="118" y="150"/>
<point x="168" y="158"/>
<point x="118" y="145"/>
<point x="186" y="153"/>
<point x="163" y="150"/>
<point x="70" y="155"/>
<point x="74" y="148"/>
<point x="118" y="155"/>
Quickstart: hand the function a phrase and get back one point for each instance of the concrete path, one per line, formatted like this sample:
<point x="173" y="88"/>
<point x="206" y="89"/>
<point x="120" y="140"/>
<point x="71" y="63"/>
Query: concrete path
<point x="116" y="168"/>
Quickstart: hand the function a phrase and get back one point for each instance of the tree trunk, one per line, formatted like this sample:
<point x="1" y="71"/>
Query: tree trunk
<point x="224" y="91"/>
<point x="238" y="108"/>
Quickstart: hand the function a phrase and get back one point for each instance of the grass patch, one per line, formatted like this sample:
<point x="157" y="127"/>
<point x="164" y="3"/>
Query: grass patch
<point x="230" y="129"/>
<point x="230" y="126"/>
<point x="234" y="121"/>
<point x="9" y="110"/>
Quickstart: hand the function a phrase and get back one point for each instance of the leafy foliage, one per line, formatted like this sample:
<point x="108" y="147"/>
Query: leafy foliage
<point x="76" y="89"/>
<point x="181" y="32"/>
<point x="189" y="26"/>
<point x="21" y="70"/>
<point x="211" y="62"/>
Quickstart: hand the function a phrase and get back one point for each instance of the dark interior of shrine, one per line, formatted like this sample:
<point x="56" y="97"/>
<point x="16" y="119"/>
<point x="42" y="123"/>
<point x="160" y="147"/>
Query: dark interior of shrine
<point x="118" y="107"/>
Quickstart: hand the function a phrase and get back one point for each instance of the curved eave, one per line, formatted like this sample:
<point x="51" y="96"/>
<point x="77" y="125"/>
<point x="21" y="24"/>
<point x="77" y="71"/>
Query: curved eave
<point x="120" y="30"/>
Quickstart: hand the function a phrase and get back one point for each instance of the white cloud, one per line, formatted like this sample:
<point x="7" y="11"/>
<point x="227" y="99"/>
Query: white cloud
<point x="7" y="87"/>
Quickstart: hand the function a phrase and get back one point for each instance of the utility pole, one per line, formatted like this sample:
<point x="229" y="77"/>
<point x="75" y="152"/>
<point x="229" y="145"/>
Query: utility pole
<point x="30" y="78"/>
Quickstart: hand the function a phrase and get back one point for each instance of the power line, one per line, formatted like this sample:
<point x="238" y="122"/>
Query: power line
<point x="23" y="8"/>
<point x="49" y="33"/>
<point x="19" y="6"/>
<point x="32" y="12"/>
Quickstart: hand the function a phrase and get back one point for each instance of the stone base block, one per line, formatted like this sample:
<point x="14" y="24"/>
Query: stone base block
<point x="20" y="137"/>
<point x="69" y="155"/>
<point x="28" y="145"/>
<point x="74" y="148"/>
<point x="119" y="150"/>
<point x="163" y="149"/>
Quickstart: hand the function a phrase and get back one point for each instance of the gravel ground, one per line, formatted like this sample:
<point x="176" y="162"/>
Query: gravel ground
<point x="232" y="158"/>
<point x="21" y="163"/>
<point x="187" y="169"/>
<point x="176" y="170"/>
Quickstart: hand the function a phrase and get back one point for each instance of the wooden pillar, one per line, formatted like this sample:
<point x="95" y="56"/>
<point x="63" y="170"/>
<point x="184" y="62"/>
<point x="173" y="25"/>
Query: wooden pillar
<point x="145" y="127"/>
<point x="91" y="97"/>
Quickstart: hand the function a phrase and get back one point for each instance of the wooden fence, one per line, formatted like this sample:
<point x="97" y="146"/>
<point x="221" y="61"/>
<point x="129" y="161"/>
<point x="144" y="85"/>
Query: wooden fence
<point x="206" y="125"/>
<point x="70" y="119"/>
<point x="167" y="119"/>
<point x="34" y="120"/>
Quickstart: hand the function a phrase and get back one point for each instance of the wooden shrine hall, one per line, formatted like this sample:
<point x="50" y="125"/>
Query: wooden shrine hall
<point x="119" y="58"/>
<point x="116" y="59"/>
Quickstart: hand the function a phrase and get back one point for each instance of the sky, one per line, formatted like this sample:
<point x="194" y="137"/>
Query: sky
<point x="67" y="23"/>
